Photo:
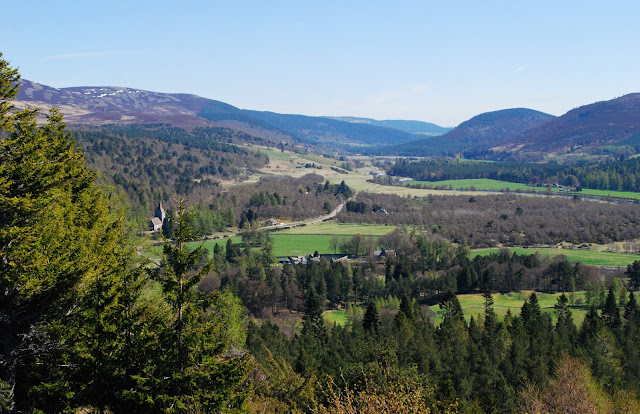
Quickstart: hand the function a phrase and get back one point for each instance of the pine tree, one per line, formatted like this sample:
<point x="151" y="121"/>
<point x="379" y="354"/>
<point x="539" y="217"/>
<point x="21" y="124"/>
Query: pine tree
<point x="539" y="329"/>
<point x="631" y="309"/>
<point x="196" y="361"/>
<point x="406" y="308"/>
<point x="371" y="320"/>
<point x="565" y="328"/>
<point x="55" y="233"/>
<point x="9" y="79"/>
<point x="106" y="331"/>
<point x="633" y="271"/>
<point x="313" y="322"/>
<point x="611" y="312"/>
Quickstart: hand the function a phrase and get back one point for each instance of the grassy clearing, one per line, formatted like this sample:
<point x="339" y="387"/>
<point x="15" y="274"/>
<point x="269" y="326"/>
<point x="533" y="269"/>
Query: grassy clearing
<point x="486" y="184"/>
<point x="301" y="244"/>
<point x="420" y="192"/>
<point x="481" y="184"/>
<point x="275" y="154"/>
<point x="473" y="305"/>
<point x="210" y="244"/>
<point x="335" y="317"/>
<point x="334" y="228"/>
<point x="588" y="257"/>
<point x="283" y="244"/>
<point x="607" y="193"/>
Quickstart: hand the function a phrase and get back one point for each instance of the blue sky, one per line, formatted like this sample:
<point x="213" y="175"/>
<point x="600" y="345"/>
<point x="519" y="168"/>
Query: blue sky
<point x="440" y="61"/>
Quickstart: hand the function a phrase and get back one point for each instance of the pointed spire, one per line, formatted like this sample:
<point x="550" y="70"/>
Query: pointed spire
<point x="160" y="213"/>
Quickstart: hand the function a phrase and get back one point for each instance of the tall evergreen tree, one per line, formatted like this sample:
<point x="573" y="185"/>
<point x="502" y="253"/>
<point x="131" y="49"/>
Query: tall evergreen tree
<point x="195" y="365"/>
<point x="371" y="319"/>
<point x="313" y="322"/>
<point x="633" y="271"/>
<point x="631" y="309"/>
<point x="565" y="330"/>
<point x="54" y="236"/>
<point x="611" y="312"/>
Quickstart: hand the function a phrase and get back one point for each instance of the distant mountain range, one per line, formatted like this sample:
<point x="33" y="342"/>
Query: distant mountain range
<point x="610" y="127"/>
<point x="490" y="130"/>
<point x="412" y="127"/>
<point x="602" y="128"/>
<point x="92" y="105"/>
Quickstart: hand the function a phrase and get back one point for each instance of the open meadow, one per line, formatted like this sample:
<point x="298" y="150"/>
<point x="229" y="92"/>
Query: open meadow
<point x="486" y="184"/>
<point x="420" y="192"/>
<point x="588" y="257"/>
<point x="301" y="244"/>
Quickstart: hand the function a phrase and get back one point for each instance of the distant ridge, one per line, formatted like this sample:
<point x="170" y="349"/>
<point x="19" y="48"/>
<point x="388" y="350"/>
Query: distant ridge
<point x="487" y="131"/>
<point x="412" y="127"/>
<point x="603" y="128"/>
<point x="100" y="105"/>
<point x="586" y="129"/>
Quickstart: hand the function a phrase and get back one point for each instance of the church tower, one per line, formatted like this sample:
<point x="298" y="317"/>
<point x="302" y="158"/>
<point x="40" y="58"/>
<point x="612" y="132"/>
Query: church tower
<point x="160" y="212"/>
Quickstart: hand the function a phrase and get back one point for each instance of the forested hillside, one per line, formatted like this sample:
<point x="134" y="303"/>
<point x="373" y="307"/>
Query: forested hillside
<point x="585" y="129"/>
<point x="412" y="127"/>
<point x="485" y="132"/>
<point x="153" y="163"/>
<point x="327" y="131"/>
<point x="84" y="325"/>
<point x="284" y="198"/>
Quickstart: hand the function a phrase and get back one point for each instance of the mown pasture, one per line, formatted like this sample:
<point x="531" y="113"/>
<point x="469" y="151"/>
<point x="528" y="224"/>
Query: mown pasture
<point x="301" y="244"/>
<point x="486" y="184"/>
<point x="317" y="237"/>
<point x="305" y="240"/>
<point x="588" y="257"/>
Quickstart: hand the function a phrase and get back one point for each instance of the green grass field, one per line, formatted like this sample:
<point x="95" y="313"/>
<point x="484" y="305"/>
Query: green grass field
<point x="480" y="184"/>
<point x="420" y="192"/>
<point x="307" y="239"/>
<point x="210" y="244"/>
<point x="302" y="240"/>
<point x="608" y="193"/>
<point x="336" y="317"/>
<point x="301" y="244"/>
<point x="275" y="154"/>
<point x="588" y="257"/>
<point x="473" y="305"/>
<point x="486" y="184"/>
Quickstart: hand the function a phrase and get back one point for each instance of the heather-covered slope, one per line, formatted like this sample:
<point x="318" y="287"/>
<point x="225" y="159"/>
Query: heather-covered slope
<point x="490" y="130"/>
<point x="586" y="129"/>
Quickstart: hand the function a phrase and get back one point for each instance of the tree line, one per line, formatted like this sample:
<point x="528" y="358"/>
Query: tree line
<point x="614" y="175"/>
<point x="523" y="363"/>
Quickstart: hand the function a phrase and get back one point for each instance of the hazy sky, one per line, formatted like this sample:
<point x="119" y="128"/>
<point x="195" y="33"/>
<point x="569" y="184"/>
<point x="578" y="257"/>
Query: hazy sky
<point x="436" y="61"/>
